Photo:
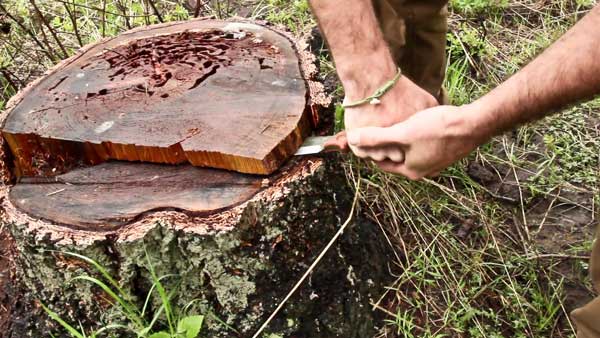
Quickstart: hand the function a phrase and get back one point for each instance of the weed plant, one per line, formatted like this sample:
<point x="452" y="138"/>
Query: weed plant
<point x="179" y="324"/>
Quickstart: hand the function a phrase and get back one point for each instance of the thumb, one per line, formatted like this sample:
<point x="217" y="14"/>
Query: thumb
<point x="376" y="136"/>
<point x="337" y="143"/>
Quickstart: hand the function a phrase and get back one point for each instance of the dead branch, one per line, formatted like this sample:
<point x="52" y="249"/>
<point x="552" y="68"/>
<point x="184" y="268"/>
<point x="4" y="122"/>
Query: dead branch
<point x="45" y="49"/>
<point x="156" y="12"/>
<point x="6" y="74"/>
<point x="123" y="10"/>
<point x="103" y="18"/>
<point x="49" y="27"/>
<point x="103" y="9"/>
<point x="72" y="16"/>
<point x="197" y="8"/>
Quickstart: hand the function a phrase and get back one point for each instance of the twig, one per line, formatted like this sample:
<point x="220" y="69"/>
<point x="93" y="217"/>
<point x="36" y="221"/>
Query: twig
<point x="539" y="229"/>
<point x="114" y="51"/>
<point x="73" y="18"/>
<point x="6" y="73"/>
<point x="147" y="12"/>
<point x="124" y="11"/>
<point x="532" y="257"/>
<point x="45" y="38"/>
<point x="103" y="18"/>
<point x="18" y="50"/>
<point x="123" y="15"/>
<point x="197" y="8"/>
<point x="55" y="192"/>
<point x="313" y="265"/>
<point x="52" y="31"/>
<point x="49" y="53"/>
<point x="156" y="12"/>
<point x="521" y="199"/>
<point x="228" y="7"/>
<point x="219" y="15"/>
<point x="562" y="306"/>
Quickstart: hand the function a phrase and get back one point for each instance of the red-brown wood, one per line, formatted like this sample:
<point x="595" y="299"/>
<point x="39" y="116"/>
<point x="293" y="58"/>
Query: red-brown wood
<point x="115" y="193"/>
<point x="211" y="93"/>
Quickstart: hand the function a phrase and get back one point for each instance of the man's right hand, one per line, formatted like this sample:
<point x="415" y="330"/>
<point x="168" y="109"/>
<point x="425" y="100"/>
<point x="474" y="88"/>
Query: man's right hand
<point x="364" y="64"/>
<point x="400" y="103"/>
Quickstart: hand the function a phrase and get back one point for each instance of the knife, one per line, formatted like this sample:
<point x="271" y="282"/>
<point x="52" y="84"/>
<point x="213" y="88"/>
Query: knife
<point x="313" y="145"/>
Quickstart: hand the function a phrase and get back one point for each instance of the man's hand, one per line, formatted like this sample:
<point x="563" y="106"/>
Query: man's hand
<point x="423" y="145"/>
<point x="364" y="64"/>
<point x="400" y="103"/>
<point x="437" y="137"/>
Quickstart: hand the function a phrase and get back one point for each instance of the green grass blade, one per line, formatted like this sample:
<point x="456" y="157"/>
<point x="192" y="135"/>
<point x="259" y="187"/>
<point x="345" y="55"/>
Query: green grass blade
<point x="56" y="318"/>
<point x="162" y="293"/>
<point x="220" y="321"/>
<point x="82" y="330"/>
<point x="128" y="309"/>
<point x="154" y="319"/>
<point x="158" y="313"/>
<point x="186" y="308"/>
<point x="98" y="267"/>
<point x="146" y="302"/>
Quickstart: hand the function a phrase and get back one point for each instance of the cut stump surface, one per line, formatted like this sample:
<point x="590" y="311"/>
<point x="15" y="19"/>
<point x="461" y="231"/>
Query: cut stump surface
<point x="113" y="194"/>
<point x="212" y="93"/>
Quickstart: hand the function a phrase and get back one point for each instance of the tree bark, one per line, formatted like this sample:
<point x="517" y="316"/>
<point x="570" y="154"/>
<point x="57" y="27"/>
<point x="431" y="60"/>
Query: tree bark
<point x="238" y="263"/>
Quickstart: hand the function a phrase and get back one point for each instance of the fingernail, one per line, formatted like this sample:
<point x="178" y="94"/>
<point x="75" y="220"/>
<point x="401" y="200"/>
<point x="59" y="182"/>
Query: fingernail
<point x="353" y="137"/>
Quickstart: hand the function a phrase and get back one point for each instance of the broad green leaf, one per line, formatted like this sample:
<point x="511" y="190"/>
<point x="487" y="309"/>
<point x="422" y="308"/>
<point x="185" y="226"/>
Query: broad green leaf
<point x="161" y="334"/>
<point x="190" y="326"/>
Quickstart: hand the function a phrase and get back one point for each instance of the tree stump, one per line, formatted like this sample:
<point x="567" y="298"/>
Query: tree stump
<point x="235" y="243"/>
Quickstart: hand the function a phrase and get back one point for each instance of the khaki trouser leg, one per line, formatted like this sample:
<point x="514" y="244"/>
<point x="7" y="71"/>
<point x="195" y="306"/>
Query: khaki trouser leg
<point x="587" y="318"/>
<point x="416" y="33"/>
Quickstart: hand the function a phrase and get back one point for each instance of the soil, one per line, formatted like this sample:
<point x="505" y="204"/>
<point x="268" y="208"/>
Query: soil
<point x="560" y="225"/>
<point x="7" y="290"/>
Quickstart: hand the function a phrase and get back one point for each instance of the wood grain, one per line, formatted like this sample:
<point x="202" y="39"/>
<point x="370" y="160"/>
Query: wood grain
<point x="211" y="93"/>
<point x="115" y="193"/>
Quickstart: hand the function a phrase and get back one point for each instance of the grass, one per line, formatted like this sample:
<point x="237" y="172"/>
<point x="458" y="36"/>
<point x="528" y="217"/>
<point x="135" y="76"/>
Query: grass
<point x="497" y="254"/>
<point x="490" y="282"/>
<point x="179" y="324"/>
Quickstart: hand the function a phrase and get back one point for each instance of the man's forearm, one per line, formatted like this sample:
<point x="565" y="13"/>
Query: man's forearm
<point x="567" y="72"/>
<point x="362" y="57"/>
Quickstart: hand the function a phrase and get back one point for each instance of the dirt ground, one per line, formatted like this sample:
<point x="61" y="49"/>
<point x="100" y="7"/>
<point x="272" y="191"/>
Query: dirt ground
<point x="565" y="220"/>
<point x="7" y="296"/>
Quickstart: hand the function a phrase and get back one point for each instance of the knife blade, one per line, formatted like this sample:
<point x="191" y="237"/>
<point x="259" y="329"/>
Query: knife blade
<point x="312" y="145"/>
